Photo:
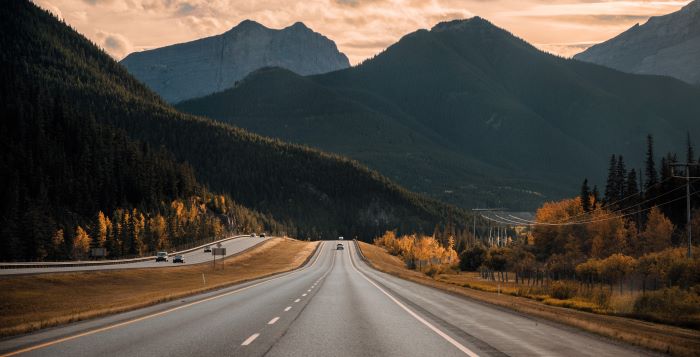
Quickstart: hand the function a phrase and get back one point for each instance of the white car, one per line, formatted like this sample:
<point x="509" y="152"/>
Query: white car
<point x="162" y="257"/>
<point x="340" y="238"/>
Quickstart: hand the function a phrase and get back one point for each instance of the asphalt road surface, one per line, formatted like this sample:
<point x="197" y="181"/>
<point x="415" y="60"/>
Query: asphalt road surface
<point x="198" y="256"/>
<point x="335" y="306"/>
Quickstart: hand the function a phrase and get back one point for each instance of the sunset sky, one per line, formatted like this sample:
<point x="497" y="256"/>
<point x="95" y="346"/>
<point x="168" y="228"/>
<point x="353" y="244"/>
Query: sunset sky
<point x="360" y="28"/>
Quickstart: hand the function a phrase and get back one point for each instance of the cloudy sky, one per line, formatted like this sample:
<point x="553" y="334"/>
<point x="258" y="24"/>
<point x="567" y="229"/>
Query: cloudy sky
<point x="361" y="28"/>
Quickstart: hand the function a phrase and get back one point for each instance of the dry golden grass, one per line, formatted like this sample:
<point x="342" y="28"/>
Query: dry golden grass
<point x="668" y="339"/>
<point x="31" y="302"/>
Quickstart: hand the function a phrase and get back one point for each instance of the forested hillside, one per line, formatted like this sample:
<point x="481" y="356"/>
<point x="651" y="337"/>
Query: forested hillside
<point x="487" y="113"/>
<point x="82" y="136"/>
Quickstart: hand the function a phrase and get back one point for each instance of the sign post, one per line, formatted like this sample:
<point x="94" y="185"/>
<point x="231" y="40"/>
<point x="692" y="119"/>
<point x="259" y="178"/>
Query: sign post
<point x="218" y="251"/>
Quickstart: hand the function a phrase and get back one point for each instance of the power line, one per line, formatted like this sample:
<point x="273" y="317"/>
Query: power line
<point x="610" y="204"/>
<point x="620" y="210"/>
<point x="507" y="222"/>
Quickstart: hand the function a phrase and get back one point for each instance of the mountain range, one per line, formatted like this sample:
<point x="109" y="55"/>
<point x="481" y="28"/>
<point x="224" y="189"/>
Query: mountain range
<point x="81" y="135"/>
<point x="211" y="64"/>
<point x="665" y="45"/>
<point x="469" y="114"/>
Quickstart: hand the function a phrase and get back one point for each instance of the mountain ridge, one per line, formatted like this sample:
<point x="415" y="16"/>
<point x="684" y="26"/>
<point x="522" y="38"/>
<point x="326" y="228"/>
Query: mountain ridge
<point x="664" y="45"/>
<point x="203" y="66"/>
<point x="491" y="102"/>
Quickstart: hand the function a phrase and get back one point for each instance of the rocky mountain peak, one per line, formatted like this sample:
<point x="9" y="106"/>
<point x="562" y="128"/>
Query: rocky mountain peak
<point x="665" y="45"/>
<point x="212" y="64"/>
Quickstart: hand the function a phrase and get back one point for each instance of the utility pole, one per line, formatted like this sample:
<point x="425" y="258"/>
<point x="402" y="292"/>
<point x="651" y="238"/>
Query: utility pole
<point x="687" y="202"/>
<point x="475" y="210"/>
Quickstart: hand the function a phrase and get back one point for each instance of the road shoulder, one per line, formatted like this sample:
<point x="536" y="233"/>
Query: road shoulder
<point x="657" y="337"/>
<point x="39" y="301"/>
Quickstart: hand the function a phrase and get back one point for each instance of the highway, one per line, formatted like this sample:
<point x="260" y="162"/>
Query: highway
<point x="334" y="306"/>
<point x="195" y="257"/>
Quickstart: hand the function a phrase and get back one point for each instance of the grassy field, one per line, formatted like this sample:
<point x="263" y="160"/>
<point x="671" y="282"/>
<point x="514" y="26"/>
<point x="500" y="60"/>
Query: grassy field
<point x="32" y="302"/>
<point x="616" y="303"/>
<point x="668" y="339"/>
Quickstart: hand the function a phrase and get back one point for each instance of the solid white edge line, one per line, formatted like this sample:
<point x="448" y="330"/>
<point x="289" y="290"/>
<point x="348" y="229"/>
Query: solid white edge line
<point x="445" y="336"/>
<point x="164" y="312"/>
<point x="273" y="320"/>
<point x="250" y="339"/>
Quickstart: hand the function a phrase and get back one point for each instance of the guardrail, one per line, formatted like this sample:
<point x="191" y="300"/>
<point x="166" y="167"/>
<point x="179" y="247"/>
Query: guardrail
<point x="26" y="265"/>
<point x="359" y="250"/>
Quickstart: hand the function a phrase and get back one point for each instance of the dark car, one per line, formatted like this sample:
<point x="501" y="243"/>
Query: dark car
<point x="161" y="257"/>
<point x="179" y="259"/>
<point x="207" y="249"/>
<point x="339" y="246"/>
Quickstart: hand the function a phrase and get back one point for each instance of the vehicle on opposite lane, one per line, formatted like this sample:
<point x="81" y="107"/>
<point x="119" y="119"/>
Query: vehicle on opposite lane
<point x="179" y="259"/>
<point x="339" y="246"/>
<point x="162" y="257"/>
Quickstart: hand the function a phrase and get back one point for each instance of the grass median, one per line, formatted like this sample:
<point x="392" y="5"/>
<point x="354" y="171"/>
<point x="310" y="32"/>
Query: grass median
<point x="31" y="302"/>
<point x="663" y="338"/>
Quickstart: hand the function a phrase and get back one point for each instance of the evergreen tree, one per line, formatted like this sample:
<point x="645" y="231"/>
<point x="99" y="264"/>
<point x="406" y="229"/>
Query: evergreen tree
<point x="585" y="196"/>
<point x="631" y="189"/>
<point x="650" y="170"/>
<point x="620" y="179"/>
<point x="596" y="196"/>
<point x="611" y="187"/>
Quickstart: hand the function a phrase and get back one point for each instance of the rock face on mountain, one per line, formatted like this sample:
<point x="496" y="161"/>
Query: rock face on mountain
<point x="666" y="45"/>
<point x="212" y="64"/>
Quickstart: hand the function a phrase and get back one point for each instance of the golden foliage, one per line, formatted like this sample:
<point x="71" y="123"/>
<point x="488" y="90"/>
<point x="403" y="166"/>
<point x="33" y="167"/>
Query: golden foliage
<point x="81" y="243"/>
<point x="419" y="251"/>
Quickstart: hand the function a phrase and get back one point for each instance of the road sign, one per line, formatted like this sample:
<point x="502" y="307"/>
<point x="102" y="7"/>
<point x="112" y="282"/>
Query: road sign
<point x="218" y="251"/>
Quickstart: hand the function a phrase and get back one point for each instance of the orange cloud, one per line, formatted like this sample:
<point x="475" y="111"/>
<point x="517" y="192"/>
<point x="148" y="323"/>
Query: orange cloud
<point x="361" y="28"/>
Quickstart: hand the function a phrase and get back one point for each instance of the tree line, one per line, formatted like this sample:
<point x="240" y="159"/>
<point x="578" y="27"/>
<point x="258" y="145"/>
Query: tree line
<point x="596" y="238"/>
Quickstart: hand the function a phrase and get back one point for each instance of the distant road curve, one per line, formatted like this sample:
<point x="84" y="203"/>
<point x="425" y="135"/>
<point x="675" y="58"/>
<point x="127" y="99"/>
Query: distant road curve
<point x="196" y="255"/>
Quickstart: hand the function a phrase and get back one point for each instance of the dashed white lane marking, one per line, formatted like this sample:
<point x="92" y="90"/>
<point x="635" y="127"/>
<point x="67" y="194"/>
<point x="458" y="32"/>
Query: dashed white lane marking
<point x="129" y="322"/>
<point x="250" y="339"/>
<point x="273" y="321"/>
<point x="297" y="300"/>
<point x="303" y="294"/>
<point x="287" y="308"/>
<point x="309" y="290"/>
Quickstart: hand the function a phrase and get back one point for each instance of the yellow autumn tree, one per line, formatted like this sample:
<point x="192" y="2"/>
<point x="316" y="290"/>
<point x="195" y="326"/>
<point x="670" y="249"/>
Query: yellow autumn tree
<point x="103" y="224"/>
<point x="657" y="232"/>
<point x="81" y="244"/>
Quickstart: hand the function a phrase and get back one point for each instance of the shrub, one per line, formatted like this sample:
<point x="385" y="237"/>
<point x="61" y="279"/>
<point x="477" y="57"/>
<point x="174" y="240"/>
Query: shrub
<point x="562" y="290"/>
<point x="434" y="270"/>
<point x="601" y="297"/>
<point x="472" y="258"/>
<point x="669" y="302"/>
